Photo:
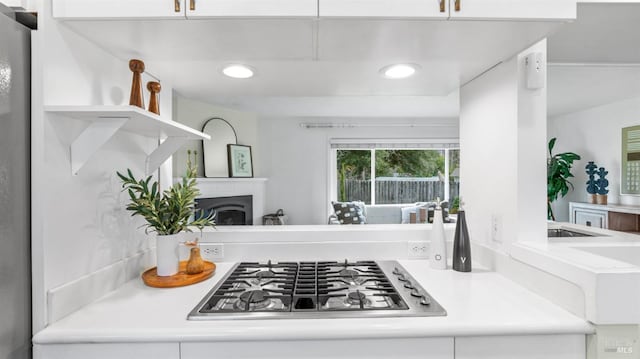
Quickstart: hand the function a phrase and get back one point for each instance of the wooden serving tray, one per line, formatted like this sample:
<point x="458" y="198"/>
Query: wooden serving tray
<point x="150" y="277"/>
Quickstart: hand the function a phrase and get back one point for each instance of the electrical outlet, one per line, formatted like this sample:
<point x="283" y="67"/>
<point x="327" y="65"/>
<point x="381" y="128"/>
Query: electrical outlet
<point x="418" y="250"/>
<point x="213" y="251"/>
<point x="496" y="224"/>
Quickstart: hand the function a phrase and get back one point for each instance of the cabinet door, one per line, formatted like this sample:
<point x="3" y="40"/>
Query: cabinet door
<point x="405" y="348"/>
<point x="522" y="347"/>
<point x="251" y="8"/>
<point x="108" y="351"/>
<point x="424" y="9"/>
<point x="590" y="218"/>
<point x="513" y="9"/>
<point x="118" y="9"/>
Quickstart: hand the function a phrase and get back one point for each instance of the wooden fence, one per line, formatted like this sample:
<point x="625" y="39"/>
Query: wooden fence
<point x="397" y="191"/>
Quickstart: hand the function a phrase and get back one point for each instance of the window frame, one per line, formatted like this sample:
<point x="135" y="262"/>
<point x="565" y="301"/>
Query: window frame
<point x="385" y="144"/>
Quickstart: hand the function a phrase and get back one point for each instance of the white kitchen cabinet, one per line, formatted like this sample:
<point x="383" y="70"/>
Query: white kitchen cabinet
<point x="422" y="9"/>
<point x="568" y="346"/>
<point x="251" y="8"/>
<point x="588" y="215"/>
<point x="616" y="217"/>
<point x="425" y="9"/>
<point x="119" y="9"/>
<point x="590" y="218"/>
<point x="108" y="351"/>
<point x="416" y="348"/>
<point x="452" y="9"/>
<point x="513" y="9"/>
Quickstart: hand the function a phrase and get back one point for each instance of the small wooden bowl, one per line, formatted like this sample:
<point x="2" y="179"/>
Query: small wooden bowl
<point x="181" y="279"/>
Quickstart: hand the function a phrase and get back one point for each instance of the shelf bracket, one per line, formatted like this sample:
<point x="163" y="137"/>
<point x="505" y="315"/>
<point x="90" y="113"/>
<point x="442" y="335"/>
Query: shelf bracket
<point x="166" y="149"/>
<point x="92" y="138"/>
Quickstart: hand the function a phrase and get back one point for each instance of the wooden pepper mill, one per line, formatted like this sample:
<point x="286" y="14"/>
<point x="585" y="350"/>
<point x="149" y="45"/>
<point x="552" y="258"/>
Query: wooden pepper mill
<point x="154" y="88"/>
<point x="195" y="264"/>
<point x="136" y="99"/>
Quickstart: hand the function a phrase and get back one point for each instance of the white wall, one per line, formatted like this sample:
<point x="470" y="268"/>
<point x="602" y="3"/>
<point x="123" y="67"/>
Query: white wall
<point x="596" y="135"/>
<point x="502" y="155"/>
<point x="296" y="160"/>
<point x="195" y="113"/>
<point x="79" y="222"/>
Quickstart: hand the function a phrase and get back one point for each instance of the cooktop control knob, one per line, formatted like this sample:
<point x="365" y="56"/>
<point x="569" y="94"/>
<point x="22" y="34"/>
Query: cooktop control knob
<point x="408" y="285"/>
<point x="402" y="278"/>
<point x="416" y="293"/>
<point x="425" y="300"/>
<point x="396" y="271"/>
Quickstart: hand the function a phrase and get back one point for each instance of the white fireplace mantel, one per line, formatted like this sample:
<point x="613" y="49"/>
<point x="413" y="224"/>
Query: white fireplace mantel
<point x="227" y="187"/>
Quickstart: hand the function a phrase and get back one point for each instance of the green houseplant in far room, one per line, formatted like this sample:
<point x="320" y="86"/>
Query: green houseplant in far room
<point x="558" y="174"/>
<point x="167" y="213"/>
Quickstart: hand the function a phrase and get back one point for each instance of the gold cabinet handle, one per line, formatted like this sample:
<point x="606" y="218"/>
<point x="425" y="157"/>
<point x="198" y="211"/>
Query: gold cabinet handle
<point x="442" y="6"/>
<point x="192" y="5"/>
<point x="457" y="5"/>
<point x="177" y="5"/>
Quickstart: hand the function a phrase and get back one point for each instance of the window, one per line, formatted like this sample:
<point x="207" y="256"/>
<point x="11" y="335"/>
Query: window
<point x="400" y="175"/>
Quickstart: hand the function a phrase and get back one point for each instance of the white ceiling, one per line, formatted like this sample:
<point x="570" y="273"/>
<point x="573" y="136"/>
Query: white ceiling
<point x="603" y="33"/>
<point x="574" y="89"/>
<point x="597" y="58"/>
<point x="328" y="66"/>
<point x="348" y="106"/>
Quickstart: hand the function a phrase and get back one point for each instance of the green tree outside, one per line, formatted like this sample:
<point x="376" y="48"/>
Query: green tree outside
<point x="356" y="164"/>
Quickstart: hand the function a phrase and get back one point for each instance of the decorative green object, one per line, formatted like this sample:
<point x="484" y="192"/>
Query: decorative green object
<point x="602" y="182"/>
<point x="592" y="186"/>
<point x="168" y="212"/>
<point x="558" y="174"/>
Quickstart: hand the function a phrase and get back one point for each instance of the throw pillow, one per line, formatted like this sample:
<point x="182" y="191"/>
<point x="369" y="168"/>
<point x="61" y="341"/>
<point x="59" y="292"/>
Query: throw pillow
<point x="363" y="207"/>
<point x="348" y="212"/>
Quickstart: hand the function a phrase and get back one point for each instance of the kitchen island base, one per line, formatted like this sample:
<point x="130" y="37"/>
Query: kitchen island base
<point x="522" y="347"/>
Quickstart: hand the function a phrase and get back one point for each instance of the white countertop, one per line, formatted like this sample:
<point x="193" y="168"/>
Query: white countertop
<point x="605" y="266"/>
<point x="478" y="304"/>
<point x="613" y="207"/>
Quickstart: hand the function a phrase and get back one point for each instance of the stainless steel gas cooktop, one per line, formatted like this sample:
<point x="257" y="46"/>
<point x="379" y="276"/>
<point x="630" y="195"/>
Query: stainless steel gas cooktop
<point x="316" y="290"/>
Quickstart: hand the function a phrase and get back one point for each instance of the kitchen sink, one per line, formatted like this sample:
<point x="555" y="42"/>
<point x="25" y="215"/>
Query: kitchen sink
<point x="559" y="232"/>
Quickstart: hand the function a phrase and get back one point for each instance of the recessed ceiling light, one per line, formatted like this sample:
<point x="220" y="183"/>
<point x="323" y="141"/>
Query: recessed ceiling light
<point x="238" y="71"/>
<point x="399" y="71"/>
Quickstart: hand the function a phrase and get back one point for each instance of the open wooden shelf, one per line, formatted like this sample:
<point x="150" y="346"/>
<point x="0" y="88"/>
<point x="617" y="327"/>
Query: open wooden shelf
<point x="106" y="121"/>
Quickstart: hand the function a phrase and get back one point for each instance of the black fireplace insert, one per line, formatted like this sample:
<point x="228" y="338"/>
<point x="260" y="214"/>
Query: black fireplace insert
<point x="230" y="211"/>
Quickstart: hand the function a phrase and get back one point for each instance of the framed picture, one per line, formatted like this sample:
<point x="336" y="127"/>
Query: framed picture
<point x="630" y="176"/>
<point x="240" y="162"/>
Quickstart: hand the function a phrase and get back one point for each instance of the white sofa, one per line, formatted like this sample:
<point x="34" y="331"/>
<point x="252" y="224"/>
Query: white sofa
<point x="381" y="214"/>
<point x="384" y="213"/>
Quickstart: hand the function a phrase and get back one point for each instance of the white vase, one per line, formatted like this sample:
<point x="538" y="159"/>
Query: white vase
<point x="167" y="255"/>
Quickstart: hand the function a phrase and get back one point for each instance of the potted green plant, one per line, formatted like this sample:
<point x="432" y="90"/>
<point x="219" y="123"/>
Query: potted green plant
<point x="558" y="174"/>
<point x="167" y="213"/>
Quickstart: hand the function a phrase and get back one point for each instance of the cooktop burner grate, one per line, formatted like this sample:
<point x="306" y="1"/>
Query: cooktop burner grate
<point x="317" y="290"/>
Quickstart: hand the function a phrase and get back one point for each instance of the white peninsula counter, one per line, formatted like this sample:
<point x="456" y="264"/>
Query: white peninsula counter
<point x="488" y="316"/>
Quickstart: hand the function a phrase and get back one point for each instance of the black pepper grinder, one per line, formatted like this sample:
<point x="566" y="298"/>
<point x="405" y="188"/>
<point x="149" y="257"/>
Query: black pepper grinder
<point x="461" y="244"/>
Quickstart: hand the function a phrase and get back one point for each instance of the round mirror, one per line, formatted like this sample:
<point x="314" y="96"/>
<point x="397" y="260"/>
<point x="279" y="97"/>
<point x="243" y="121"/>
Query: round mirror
<point x="215" y="150"/>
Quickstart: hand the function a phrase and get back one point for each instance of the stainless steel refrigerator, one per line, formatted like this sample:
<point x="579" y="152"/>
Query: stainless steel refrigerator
<point x="15" y="211"/>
